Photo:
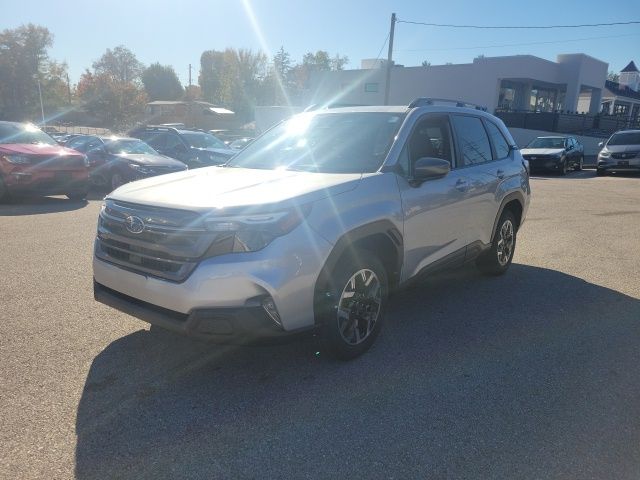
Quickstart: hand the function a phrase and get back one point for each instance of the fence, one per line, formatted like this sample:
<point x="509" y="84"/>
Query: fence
<point x="576" y="124"/>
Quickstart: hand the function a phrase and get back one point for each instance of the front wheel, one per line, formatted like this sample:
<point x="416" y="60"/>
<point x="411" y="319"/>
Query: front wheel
<point x="578" y="166"/>
<point x="563" y="167"/>
<point x="4" y="191"/>
<point x="352" y="306"/>
<point x="497" y="259"/>
<point x="77" y="197"/>
<point x="600" y="172"/>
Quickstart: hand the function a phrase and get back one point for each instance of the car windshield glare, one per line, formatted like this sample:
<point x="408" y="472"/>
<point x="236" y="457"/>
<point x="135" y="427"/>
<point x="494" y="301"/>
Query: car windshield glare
<point x="625" y="138"/>
<point x="353" y="142"/>
<point x="129" y="147"/>
<point x="24" y="134"/>
<point x="546" y="143"/>
<point x="203" y="140"/>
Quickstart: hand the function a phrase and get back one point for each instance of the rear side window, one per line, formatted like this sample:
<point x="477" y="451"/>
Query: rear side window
<point x="155" y="139"/>
<point x="499" y="142"/>
<point x="473" y="140"/>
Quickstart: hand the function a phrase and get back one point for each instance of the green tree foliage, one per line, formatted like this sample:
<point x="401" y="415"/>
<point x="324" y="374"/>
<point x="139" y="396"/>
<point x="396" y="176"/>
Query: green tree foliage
<point x="113" y="93"/>
<point x="613" y="76"/>
<point x="232" y="78"/>
<point x="23" y="62"/>
<point x="120" y="64"/>
<point x="161" y="82"/>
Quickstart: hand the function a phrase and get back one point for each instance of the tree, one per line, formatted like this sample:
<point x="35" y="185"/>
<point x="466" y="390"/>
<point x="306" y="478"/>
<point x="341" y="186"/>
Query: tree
<point x="426" y="63"/>
<point x="23" y="62"/>
<point x="613" y="76"/>
<point x="232" y="78"/>
<point x="120" y="64"/>
<point x="112" y="92"/>
<point x="114" y="103"/>
<point x="161" y="82"/>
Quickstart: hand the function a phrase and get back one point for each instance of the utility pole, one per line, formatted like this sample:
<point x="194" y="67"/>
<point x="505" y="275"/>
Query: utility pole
<point x="69" y="88"/>
<point x="387" y="85"/>
<point x="189" y="76"/>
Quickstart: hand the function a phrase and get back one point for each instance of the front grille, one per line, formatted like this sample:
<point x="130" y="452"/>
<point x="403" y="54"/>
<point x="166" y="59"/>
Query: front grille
<point x="536" y="157"/>
<point x="624" y="155"/>
<point x="170" y="245"/>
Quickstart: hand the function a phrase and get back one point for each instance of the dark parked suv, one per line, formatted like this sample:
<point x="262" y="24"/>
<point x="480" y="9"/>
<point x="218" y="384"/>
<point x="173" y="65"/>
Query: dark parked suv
<point x="195" y="148"/>
<point x="32" y="162"/>
<point x="114" y="161"/>
<point x="557" y="154"/>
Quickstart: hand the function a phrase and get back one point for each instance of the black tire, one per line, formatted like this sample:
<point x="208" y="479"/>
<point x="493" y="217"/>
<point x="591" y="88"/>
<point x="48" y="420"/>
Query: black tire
<point x="564" y="168"/>
<point x="4" y="191"/>
<point x="77" y="197"/>
<point x="492" y="262"/>
<point x="116" y="181"/>
<point x="347" y="337"/>
<point x="601" y="172"/>
<point x="578" y="166"/>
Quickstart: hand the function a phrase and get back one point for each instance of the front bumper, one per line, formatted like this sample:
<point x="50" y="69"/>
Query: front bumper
<point x="545" y="164"/>
<point x="47" y="183"/>
<point x="286" y="270"/>
<point x="613" y="165"/>
<point x="240" y="325"/>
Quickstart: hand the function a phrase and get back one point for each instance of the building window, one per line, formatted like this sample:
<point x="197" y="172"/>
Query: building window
<point x="620" y="109"/>
<point x="371" y="87"/>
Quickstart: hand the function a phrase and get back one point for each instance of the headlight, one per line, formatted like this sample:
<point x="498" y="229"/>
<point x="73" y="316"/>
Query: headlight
<point x="605" y="154"/>
<point x="249" y="233"/>
<point x="17" y="159"/>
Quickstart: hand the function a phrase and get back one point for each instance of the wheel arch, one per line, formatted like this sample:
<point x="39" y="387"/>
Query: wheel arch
<point x="381" y="238"/>
<point x="513" y="202"/>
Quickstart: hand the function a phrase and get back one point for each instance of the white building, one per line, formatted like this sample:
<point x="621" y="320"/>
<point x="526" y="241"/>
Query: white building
<point x="520" y="82"/>
<point x="623" y="97"/>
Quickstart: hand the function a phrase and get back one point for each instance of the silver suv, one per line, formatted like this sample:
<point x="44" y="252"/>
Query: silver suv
<point x="621" y="153"/>
<point x="314" y="224"/>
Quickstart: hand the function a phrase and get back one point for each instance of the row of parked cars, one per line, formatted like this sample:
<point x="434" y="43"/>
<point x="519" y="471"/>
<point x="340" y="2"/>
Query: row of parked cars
<point x="33" y="161"/>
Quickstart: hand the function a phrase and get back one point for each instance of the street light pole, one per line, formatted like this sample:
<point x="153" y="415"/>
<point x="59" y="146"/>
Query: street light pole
<point x="44" y="124"/>
<point x="387" y="85"/>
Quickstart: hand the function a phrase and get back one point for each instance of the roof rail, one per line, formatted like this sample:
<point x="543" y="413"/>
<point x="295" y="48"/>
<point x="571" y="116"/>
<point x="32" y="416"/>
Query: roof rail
<point x="426" y="101"/>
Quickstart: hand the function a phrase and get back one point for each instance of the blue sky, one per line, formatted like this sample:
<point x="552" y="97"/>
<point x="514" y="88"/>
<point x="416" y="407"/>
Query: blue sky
<point x="177" y="32"/>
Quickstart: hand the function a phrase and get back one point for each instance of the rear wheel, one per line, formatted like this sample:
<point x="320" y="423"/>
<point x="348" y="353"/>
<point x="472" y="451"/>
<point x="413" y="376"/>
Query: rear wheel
<point x="77" y="197"/>
<point x="563" y="167"/>
<point x="352" y="306"/>
<point x="116" y="181"/>
<point x="497" y="259"/>
<point x="4" y="191"/>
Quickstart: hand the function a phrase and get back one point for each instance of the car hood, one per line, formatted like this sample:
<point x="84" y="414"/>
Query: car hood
<point x="622" y="148"/>
<point x="151" y="160"/>
<point x="234" y="189"/>
<point x="541" y="151"/>
<point x="36" y="149"/>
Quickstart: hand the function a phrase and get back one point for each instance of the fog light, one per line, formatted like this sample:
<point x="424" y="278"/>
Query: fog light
<point x="269" y="306"/>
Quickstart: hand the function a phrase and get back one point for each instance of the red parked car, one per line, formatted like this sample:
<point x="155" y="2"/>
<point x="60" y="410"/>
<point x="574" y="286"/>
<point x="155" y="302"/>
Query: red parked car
<point x="32" y="162"/>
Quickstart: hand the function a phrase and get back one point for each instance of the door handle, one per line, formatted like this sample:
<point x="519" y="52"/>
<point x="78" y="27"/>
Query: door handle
<point x="462" y="185"/>
<point x="500" y="174"/>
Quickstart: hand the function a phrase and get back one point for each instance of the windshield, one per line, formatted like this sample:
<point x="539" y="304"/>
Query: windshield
<point x="24" y="133"/>
<point x="203" y="140"/>
<point x="327" y="143"/>
<point x="132" y="147"/>
<point x="546" y="143"/>
<point x="625" y="138"/>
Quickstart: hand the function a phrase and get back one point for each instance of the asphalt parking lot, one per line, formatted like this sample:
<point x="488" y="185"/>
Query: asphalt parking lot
<point x="530" y="375"/>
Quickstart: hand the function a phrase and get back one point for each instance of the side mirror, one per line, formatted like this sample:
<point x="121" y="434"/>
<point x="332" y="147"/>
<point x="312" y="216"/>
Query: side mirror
<point x="427" y="168"/>
<point x="601" y="144"/>
<point x="569" y="147"/>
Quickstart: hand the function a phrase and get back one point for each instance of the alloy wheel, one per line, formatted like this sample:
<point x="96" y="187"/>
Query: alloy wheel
<point x="506" y="240"/>
<point x="359" y="306"/>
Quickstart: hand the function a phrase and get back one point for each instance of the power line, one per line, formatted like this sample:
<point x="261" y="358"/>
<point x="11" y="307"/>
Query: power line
<point x="516" y="44"/>
<point x="383" y="45"/>
<point x="513" y="27"/>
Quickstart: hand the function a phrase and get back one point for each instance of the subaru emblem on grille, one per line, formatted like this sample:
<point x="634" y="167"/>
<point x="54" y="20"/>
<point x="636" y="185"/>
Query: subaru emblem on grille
<point x="134" y="224"/>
